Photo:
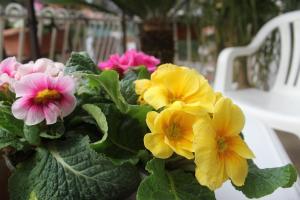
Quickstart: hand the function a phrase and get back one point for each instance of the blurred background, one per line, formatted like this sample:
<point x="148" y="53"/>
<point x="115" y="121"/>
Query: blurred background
<point x="185" y="32"/>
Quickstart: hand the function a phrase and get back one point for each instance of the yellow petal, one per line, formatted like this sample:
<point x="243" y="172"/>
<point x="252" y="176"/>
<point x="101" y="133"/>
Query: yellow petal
<point x="218" y="95"/>
<point x="214" y="178"/>
<point x="238" y="145"/>
<point x="205" y="145"/>
<point x="181" y="147"/>
<point x="151" y="116"/>
<point x="203" y="97"/>
<point x="157" y="97"/>
<point x="236" y="168"/>
<point x="228" y="119"/>
<point x="155" y="143"/>
<point x="141" y="86"/>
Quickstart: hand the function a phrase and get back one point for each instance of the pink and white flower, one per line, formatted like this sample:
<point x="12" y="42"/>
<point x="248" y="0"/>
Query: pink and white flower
<point x="42" y="65"/>
<point x="8" y="69"/>
<point x="42" y="96"/>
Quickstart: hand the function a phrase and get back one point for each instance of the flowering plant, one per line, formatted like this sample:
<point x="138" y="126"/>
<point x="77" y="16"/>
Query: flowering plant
<point x="75" y="132"/>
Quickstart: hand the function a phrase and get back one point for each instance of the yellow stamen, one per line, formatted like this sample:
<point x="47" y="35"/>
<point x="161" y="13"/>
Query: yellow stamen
<point x="47" y="95"/>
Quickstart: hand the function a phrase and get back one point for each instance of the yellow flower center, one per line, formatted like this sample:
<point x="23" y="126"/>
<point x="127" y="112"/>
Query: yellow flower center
<point x="222" y="144"/>
<point x="47" y="95"/>
<point x="173" y="131"/>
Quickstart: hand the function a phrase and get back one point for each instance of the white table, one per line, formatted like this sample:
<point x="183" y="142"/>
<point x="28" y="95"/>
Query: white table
<point x="269" y="152"/>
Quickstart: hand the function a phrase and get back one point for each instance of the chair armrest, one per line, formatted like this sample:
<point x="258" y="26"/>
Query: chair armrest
<point x="223" y="78"/>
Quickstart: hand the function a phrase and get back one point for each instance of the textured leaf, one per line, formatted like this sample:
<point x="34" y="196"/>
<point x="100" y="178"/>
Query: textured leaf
<point x="9" y="139"/>
<point x="109" y="81"/>
<point x="71" y="170"/>
<point x="261" y="182"/>
<point x="32" y="134"/>
<point x="174" y="185"/>
<point x="80" y="61"/>
<point x="8" y="122"/>
<point x="100" y="118"/>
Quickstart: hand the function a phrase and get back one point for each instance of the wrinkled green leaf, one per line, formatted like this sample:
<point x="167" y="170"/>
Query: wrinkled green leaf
<point x="70" y="169"/>
<point x="32" y="134"/>
<point x="80" y="62"/>
<point x="8" y="122"/>
<point x="109" y="81"/>
<point x="100" y="118"/>
<point x="9" y="139"/>
<point x="170" y="185"/>
<point x="261" y="182"/>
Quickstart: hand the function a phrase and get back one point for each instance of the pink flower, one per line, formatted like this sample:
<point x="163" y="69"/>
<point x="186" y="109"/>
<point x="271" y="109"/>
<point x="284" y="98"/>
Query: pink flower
<point x="131" y="58"/>
<point x="8" y="68"/>
<point x="42" y="65"/>
<point x="43" y="97"/>
<point x="111" y="63"/>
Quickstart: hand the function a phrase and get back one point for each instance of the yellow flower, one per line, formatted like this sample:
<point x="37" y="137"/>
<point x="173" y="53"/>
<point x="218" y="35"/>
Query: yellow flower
<point x="170" y="83"/>
<point x="171" y="131"/>
<point x="220" y="152"/>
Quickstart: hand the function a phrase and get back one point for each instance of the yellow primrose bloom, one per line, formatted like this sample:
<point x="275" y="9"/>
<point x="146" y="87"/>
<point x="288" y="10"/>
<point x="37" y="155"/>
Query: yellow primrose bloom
<point x="171" y="131"/>
<point x="220" y="152"/>
<point x="170" y="83"/>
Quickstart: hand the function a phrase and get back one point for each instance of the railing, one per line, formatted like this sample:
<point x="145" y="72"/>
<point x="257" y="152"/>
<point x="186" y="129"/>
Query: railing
<point x="61" y="31"/>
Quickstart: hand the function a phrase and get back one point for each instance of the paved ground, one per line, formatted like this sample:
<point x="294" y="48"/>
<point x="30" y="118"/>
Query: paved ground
<point x="292" y="146"/>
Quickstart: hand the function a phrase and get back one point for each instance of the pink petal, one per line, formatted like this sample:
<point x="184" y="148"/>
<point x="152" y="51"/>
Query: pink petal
<point x="35" y="115"/>
<point x="42" y="64"/>
<point x="20" y="107"/>
<point x="51" y="112"/>
<point x="9" y="66"/>
<point x="67" y="104"/>
<point x="30" y="84"/>
<point x="65" y="84"/>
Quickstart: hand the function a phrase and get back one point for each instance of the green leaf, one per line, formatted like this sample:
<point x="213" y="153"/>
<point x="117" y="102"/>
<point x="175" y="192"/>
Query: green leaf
<point x="32" y="134"/>
<point x="53" y="131"/>
<point x="261" y="182"/>
<point x="70" y="169"/>
<point x="109" y="81"/>
<point x="8" y="122"/>
<point x="174" y="185"/>
<point x="9" y="139"/>
<point x="80" y="61"/>
<point x="100" y="118"/>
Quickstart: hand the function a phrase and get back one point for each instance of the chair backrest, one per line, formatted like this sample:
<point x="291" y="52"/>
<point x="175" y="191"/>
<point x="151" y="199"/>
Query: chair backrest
<point x="288" y="25"/>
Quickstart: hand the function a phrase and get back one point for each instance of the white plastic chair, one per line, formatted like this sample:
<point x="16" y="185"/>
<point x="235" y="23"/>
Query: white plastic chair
<point x="280" y="107"/>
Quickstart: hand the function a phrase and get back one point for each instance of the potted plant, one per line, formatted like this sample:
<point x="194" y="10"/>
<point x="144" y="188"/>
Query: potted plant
<point x="77" y="132"/>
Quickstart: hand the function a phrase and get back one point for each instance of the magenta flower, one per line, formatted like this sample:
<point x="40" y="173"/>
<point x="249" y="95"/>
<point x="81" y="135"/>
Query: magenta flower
<point x="8" y="69"/>
<point x="43" y="97"/>
<point x="131" y="58"/>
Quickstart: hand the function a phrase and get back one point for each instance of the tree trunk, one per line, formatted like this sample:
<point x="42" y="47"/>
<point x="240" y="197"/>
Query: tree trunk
<point x="157" y="40"/>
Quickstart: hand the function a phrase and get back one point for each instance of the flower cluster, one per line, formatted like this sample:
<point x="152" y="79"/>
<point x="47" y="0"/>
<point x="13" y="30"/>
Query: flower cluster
<point x="131" y="58"/>
<point x="41" y="89"/>
<point x="194" y="122"/>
